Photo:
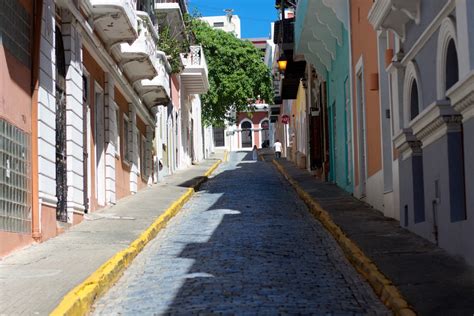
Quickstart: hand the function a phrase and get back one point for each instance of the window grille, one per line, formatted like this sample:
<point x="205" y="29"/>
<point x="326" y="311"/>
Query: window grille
<point x="15" y="179"/>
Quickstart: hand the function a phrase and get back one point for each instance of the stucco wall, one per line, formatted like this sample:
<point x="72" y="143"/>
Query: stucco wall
<point x="338" y="74"/>
<point x="364" y="45"/>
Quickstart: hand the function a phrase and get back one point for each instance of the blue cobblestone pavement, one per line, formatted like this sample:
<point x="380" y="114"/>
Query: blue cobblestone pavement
<point x="245" y="245"/>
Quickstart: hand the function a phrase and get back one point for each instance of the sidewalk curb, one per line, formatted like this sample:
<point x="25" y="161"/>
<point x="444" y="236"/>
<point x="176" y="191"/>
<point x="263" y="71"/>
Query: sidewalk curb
<point x="382" y="286"/>
<point x="80" y="299"/>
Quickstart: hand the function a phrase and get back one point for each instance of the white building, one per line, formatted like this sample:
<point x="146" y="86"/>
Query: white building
<point x="228" y="23"/>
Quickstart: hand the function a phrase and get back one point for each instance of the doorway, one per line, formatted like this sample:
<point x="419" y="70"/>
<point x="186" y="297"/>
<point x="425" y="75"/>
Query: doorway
<point x="61" y="153"/>
<point x="246" y="134"/>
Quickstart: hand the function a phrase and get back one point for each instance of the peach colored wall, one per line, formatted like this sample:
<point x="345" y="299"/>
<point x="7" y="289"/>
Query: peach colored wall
<point x="364" y="43"/>
<point x="122" y="168"/>
<point x="96" y="75"/>
<point x="256" y="118"/>
<point x="48" y="222"/>
<point x="13" y="241"/>
<point x="15" y="107"/>
<point x="175" y="89"/>
<point x="15" y="91"/>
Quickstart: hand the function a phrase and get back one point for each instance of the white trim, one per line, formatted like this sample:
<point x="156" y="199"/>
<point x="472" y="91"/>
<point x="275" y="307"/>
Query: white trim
<point x="428" y="32"/>
<point x="435" y="121"/>
<point x="411" y="74"/>
<point x="447" y="32"/>
<point x="359" y="71"/>
<point x="118" y="130"/>
<point x="462" y="96"/>
<point x="251" y="130"/>
<point x="260" y="129"/>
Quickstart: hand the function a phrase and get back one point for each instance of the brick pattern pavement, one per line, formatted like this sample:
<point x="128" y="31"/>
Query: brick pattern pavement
<point x="245" y="244"/>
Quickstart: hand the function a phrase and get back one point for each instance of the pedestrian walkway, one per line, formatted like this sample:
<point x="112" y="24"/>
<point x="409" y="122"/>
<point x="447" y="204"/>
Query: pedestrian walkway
<point x="432" y="281"/>
<point x="245" y="244"/>
<point x="34" y="280"/>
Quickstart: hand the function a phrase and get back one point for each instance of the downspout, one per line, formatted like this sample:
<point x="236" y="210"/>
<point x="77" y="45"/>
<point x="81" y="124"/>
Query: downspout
<point x="36" y="34"/>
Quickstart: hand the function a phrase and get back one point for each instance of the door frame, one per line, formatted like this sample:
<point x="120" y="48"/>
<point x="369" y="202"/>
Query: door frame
<point x="361" y="127"/>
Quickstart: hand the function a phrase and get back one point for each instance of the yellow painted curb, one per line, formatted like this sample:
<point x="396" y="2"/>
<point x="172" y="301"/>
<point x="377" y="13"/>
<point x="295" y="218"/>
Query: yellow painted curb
<point x="80" y="299"/>
<point x="382" y="286"/>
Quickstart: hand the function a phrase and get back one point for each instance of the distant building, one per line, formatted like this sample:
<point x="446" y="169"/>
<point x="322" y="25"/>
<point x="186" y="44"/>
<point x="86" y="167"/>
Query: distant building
<point x="228" y="23"/>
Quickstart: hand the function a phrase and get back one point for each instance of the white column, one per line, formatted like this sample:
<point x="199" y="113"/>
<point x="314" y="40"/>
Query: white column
<point x="74" y="117"/>
<point x="47" y="108"/>
<point x="111" y="145"/>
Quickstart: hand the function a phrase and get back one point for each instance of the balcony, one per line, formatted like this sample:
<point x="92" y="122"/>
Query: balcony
<point x="284" y="31"/>
<point x="170" y="14"/>
<point x="115" y="20"/>
<point x="138" y="60"/>
<point x="394" y="15"/>
<point x="157" y="90"/>
<point x="194" y="76"/>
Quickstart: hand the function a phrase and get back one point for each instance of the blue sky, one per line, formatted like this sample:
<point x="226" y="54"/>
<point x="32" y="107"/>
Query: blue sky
<point x="255" y="15"/>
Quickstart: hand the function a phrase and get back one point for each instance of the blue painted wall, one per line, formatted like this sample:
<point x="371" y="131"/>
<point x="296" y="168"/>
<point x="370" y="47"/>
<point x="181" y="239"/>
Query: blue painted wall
<point x="340" y="171"/>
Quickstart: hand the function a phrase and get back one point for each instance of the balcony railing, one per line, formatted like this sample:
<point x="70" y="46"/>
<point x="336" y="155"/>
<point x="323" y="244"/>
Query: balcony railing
<point x="284" y="31"/>
<point x="195" y="72"/>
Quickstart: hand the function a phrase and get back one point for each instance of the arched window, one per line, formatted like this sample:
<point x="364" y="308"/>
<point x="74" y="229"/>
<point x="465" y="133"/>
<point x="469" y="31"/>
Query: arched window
<point x="412" y="98"/>
<point x="414" y="103"/>
<point x="246" y="125"/>
<point x="451" y="66"/>
<point x="447" y="68"/>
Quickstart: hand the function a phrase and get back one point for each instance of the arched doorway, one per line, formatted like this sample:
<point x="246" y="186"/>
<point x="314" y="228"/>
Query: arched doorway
<point x="61" y="155"/>
<point x="246" y="134"/>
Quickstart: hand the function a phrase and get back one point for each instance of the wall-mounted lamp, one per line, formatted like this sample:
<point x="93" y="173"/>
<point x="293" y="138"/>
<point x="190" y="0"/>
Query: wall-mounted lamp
<point x="282" y="63"/>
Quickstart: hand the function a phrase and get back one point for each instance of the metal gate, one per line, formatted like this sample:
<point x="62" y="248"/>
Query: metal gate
<point x="61" y="157"/>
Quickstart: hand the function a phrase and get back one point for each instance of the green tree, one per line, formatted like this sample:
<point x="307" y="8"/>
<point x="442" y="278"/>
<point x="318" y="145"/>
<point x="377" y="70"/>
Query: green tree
<point x="237" y="73"/>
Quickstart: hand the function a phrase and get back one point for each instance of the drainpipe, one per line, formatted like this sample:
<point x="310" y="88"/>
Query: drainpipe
<point x="35" y="61"/>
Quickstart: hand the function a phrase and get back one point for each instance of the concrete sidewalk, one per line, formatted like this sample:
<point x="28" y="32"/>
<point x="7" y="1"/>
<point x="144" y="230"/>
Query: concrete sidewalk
<point x="34" y="280"/>
<point x="432" y="281"/>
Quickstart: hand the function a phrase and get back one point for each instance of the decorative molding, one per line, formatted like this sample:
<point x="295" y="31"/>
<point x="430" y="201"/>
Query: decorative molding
<point x="411" y="74"/>
<point x="429" y="31"/>
<point x="462" y="96"/>
<point x="447" y="32"/>
<point x="407" y="144"/>
<point x="394" y="14"/>
<point x="436" y="121"/>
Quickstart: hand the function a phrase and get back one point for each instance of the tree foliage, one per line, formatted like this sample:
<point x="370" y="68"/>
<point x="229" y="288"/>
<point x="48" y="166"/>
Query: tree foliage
<point x="237" y="74"/>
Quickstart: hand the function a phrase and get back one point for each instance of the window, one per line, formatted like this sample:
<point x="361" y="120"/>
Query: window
<point x="126" y="139"/>
<point x="451" y="66"/>
<point x="218" y="24"/>
<point x="138" y="152"/>
<point x="414" y="104"/>
<point x="143" y="156"/>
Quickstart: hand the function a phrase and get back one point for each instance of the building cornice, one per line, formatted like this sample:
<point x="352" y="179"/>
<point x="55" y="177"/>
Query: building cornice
<point x="394" y="14"/>
<point x="462" y="96"/>
<point x="407" y="144"/>
<point x="436" y="121"/>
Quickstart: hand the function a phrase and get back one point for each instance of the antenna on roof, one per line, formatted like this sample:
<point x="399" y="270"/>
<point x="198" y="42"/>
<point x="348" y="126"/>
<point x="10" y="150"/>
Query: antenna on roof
<point x="228" y="13"/>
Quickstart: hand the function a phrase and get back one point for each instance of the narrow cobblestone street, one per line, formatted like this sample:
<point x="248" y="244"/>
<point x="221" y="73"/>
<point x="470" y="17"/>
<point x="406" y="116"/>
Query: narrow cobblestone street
<point x="244" y="244"/>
